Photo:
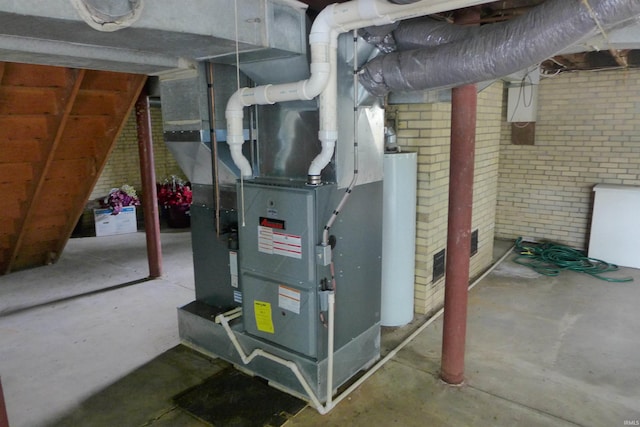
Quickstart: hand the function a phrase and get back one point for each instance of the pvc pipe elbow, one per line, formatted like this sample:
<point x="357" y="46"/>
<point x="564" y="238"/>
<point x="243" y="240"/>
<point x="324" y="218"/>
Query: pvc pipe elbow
<point x="240" y="160"/>
<point x="320" y="73"/>
<point x="235" y="134"/>
<point x="238" y="100"/>
<point x="322" y="159"/>
<point x="322" y="25"/>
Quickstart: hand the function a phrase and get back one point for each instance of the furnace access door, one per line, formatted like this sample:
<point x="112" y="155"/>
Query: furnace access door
<point x="280" y="276"/>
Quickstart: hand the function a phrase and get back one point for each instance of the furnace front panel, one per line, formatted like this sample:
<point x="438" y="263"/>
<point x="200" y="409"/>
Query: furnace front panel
<point x="278" y="273"/>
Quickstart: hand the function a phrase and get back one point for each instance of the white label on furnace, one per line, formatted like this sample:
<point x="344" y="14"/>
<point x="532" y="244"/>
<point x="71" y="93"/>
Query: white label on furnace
<point x="275" y="242"/>
<point x="289" y="299"/>
<point x="237" y="297"/>
<point x="233" y="268"/>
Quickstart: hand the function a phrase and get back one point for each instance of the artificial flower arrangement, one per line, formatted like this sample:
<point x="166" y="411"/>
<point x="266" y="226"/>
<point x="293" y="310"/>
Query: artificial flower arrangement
<point x="119" y="198"/>
<point x="174" y="192"/>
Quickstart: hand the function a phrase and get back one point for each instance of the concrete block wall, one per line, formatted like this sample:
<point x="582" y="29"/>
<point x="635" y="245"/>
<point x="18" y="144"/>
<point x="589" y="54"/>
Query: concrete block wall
<point x="123" y="166"/>
<point x="426" y="128"/>
<point x="587" y="132"/>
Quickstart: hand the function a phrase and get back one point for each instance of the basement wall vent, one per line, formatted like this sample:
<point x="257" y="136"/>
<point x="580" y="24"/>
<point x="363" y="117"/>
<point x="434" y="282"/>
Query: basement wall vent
<point x="474" y="242"/>
<point x="438" y="265"/>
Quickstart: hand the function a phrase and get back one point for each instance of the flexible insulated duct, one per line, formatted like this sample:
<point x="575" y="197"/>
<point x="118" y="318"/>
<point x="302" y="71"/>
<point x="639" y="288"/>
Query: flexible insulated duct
<point x="331" y="22"/>
<point x="469" y="55"/>
<point x="416" y="34"/>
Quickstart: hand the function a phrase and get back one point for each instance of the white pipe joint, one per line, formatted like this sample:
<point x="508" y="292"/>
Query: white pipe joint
<point x="320" y="68"/>
<point x="261" y="95"/>
<point x="328" y="141"/>
<point x="323" y="24"/>
<point x="333" y="20"/>
<point x="320" y="72"/>
<point x="368" y="11"/>
<point x="235" y="131"/>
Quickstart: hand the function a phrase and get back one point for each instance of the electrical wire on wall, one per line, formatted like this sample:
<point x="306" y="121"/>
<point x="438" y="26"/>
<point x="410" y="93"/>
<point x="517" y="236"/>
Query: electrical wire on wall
<point x="235" y="6"/>
<point x="354" y="180"/>
<point x="214" y="147"/>
<point x="522" y="95"/>
<point x="593" y="16"/>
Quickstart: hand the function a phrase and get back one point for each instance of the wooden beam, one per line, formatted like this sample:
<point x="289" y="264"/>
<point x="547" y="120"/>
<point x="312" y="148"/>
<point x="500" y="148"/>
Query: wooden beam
<point x="620" y="57"/>
<point x="40" y="179"/>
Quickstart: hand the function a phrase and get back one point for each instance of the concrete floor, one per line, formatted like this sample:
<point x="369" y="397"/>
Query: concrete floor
<point x="540" y="350"/>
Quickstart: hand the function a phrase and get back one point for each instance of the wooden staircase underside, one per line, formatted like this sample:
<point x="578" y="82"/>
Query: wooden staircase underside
<point x="57" y="128"/>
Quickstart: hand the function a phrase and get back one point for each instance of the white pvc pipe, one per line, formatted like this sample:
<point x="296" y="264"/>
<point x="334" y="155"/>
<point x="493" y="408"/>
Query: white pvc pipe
<point x="269" y="94"/>
<point x="222" y="319"/>
<point x="331" y="403"/>
<point x="330" y="344"/>
<point x="410" y="338"/>
<point x="328" y="132"/>
<point x="331" y="22"/>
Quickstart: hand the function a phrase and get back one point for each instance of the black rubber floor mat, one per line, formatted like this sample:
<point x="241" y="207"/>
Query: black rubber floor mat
<point x="233" y="399"/>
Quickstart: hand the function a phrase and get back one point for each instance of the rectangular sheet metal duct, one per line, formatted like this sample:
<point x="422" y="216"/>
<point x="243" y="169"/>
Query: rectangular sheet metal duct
<point x="168" y="34"/>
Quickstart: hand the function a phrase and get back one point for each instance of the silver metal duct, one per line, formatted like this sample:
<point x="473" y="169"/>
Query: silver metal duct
<point x="162" y="36"/>
<point x="109" y="15"/>
<point x="492" y="51"/>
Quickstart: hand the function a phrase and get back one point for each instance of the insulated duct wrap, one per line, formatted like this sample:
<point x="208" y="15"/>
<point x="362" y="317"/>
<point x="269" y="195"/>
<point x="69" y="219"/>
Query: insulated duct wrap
<point x="415" y="34"/>
<point x="469" y="55"/>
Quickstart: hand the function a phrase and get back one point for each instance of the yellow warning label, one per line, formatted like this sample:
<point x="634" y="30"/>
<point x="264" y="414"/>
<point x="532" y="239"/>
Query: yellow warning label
<point x="264" y="322"/>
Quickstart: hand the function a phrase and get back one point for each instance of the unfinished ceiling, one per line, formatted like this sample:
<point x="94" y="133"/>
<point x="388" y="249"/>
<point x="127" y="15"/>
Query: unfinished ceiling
<point x="168" y="35"/>
<point x="620" y="50"/>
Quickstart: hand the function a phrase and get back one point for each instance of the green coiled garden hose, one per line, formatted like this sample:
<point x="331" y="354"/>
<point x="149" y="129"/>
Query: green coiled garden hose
<point x="550" y="259"/>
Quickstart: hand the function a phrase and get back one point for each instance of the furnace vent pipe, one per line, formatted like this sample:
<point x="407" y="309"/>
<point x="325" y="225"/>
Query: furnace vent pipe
<point x="493" y="51"/>
<point x="270" y="94"/>
<point x="332" y="21"/>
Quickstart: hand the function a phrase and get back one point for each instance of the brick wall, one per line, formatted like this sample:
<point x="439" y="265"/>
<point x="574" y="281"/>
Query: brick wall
<point x="425" y="128"/>
<point x="123" y="166"/>
<point x="587" y="132"/>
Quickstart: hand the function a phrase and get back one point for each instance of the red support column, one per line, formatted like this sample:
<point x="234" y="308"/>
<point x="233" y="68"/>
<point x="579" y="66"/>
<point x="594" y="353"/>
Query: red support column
<point x="463" y="136"/>
<point x="149" y="192"/>
<point x="4" y="418"/>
